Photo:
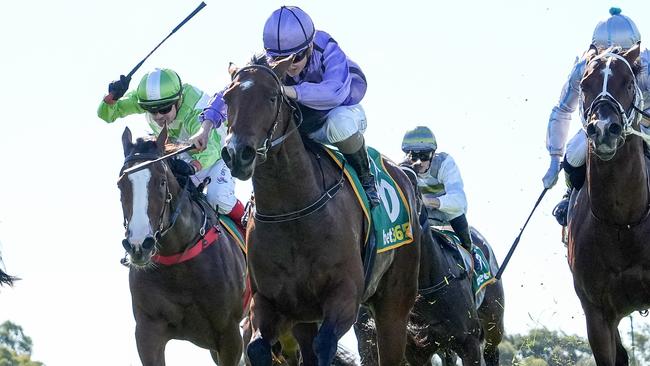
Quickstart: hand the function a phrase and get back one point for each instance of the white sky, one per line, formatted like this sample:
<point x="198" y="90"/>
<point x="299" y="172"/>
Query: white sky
<point x="483" y="75"/>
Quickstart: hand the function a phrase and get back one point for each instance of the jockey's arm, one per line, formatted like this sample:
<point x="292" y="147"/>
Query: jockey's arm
<point x="453" y="202"/>
<point x="216" y="111"/>
<point x="560" y="119"/>
<point x="334" y="88"/>
<point x="212" y="152"/>
<point x="125" y="106"/>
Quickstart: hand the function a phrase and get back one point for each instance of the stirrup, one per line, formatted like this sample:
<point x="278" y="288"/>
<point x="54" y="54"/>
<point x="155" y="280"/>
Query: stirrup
<point x="560" y="211"/>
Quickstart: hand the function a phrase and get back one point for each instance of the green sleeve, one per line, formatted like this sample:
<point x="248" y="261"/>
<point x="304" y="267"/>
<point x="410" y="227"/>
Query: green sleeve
<point x="123" y="107"/>
<point x="212" y="152"/>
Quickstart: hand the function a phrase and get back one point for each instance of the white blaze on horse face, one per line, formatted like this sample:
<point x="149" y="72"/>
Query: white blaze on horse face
<point x="139" y="224"/>
<point x="246" y="84"/>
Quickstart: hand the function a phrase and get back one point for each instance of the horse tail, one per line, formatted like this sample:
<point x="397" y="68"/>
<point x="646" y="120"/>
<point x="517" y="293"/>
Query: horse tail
<point x="7" y="279"/>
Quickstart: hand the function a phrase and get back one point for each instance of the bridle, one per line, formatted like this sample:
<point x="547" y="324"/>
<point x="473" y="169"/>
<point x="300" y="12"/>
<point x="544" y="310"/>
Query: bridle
<point x="269" y="142"/>
<point x="167" y="206"/>
<point x="631" y="116"/>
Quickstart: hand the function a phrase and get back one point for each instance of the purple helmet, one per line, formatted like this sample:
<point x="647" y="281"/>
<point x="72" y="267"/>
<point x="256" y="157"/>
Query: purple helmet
<point x="287" y="31"/>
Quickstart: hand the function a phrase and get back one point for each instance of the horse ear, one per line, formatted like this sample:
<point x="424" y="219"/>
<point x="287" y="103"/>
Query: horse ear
<point x="127" y="143"/>
<point x="591" y="52"/>
<point x="632" y="55"/>
<point x="161" y="141"/>
<point x="281" y="66"/>
<point x="232" y="69"/>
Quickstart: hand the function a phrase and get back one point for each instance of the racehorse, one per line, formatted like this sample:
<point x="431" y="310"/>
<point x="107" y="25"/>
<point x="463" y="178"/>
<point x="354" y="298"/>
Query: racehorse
<point x="186" y="270"/>
<point x="444" y="319"/>
<point x="307" y="235"/>
<point x="608" y="227"/>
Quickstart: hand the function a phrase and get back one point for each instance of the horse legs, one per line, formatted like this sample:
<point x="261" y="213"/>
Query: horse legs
<point x="364" y="329"/>
<point x="151" y="339"/>
<point x="339" y="314"/>
<point x="621" y="354"/>
<point x="265" y="324"/>
<point x="391" y="331"/>
<point x="305" y="334"/>
<point x="229" y="348"/>
<point x="602" y="336"/>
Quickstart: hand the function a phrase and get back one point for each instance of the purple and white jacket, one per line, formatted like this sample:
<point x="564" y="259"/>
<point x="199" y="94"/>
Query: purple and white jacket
<point x="330" y="79"/>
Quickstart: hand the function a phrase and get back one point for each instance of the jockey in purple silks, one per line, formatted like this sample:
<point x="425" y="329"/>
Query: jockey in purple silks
<point x="325" y="83"/>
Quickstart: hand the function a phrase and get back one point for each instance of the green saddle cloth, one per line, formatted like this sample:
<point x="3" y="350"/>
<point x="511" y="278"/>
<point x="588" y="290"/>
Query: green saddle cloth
<point x="391" y="220"/>
<point x="481" y="276"/>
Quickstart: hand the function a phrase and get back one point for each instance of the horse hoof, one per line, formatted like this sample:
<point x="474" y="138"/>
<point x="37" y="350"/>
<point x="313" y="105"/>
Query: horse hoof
<point x="259" y="353"/>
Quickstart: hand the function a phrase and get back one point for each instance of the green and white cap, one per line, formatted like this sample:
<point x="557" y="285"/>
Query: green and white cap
<point x="159" y="88"/>
<point x="419" y="139"/>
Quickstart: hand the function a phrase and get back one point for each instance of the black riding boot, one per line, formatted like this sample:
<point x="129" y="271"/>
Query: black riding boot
<point x="360" y="163"/>
<point x="461" y="228"/>
<point x="561" y="209"/>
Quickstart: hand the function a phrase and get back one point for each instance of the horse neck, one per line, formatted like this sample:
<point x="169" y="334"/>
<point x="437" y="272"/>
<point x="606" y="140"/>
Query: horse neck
<point x="433" y="265"/>
<point x="287" y="180"/>
<point x="618" y="189"/>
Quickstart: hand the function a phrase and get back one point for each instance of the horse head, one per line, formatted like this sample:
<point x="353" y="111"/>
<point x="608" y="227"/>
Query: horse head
<point x="610" y="99"/>
<point x="258" y="110"/>
<point x="146" y="196"/>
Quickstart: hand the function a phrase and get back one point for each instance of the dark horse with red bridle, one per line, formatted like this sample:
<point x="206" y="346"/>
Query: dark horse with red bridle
<point x="186" y="269"/>
<point x="307" y="235"/>
<point x="609" y="230"/>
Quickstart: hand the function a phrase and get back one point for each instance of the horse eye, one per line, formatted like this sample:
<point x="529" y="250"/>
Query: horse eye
<point x="163" y="182"/>
<point x="273" y="99"/>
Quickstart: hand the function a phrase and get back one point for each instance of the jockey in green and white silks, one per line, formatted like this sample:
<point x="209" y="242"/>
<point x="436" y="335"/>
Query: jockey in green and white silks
<point x="439" y="182"/>
<point x="167" y="101"/>
<point x="616" y="31"/>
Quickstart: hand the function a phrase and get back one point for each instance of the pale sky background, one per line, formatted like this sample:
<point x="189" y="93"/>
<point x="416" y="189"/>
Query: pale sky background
<point x="483" y="75"/>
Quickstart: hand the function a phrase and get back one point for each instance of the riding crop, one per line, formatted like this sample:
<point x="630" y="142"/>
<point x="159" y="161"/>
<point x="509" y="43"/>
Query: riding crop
<point x="514" y="245"/>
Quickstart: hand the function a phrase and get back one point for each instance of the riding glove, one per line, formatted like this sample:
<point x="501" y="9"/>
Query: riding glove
<point x="118" y="88"/>
<point x="550" y="178"/>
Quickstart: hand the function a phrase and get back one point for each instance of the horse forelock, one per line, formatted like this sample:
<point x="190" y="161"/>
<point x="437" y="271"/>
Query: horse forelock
<point x="260" y="60"/>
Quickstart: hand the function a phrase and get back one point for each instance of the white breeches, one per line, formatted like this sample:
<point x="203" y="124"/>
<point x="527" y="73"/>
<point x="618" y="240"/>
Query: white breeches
<point x="221" y="190"/>
<point x="341" y="123"/>
<point x="576" y="149"/>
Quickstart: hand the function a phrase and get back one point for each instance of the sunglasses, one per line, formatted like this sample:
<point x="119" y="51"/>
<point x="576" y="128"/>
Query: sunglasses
<point x="162" y="110"/>
<point x="297" y="57"/>
<point x="422" y="156"/>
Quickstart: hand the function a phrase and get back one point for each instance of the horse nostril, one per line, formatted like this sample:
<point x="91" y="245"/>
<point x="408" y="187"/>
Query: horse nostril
<point x="615" y="129"/>
<point x="127" y="246"/>
<point x="591" y="129"/>
<point x="225" y="155"/>
<point x="247" y="154"/>
<point x="148" y="243"/>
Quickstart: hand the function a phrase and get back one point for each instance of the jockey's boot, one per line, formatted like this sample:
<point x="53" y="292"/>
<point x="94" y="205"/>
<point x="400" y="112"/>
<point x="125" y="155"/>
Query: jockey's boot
<point x="461" y="228"/>
<point x="236" y="214"/>
<point x="360" y="163"/>
<point x="561" y="209"/>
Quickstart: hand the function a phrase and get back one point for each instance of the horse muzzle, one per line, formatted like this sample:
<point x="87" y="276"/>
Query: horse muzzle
<point x="606" y="137"/>
<point x="240" y="158"/>
<point x="140" y="255"/>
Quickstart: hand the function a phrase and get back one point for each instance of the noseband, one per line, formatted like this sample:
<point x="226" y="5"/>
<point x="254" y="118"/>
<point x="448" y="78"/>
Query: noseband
<point x="295" y="110"/>
<point x="630" y="117"/>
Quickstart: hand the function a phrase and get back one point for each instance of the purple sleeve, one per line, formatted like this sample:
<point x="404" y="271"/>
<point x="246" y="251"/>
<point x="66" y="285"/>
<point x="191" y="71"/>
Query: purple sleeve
<point x="216" y="111"/>
<point x="334" y="88"/>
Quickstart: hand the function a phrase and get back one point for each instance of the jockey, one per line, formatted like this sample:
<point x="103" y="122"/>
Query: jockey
<point x="167" y="101"/>
<point x="327" y="85"/>
<point x="616" y="31"/>
<point x="439" y="182"/>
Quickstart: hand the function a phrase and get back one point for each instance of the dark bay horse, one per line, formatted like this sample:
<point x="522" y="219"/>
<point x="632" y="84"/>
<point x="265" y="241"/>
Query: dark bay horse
<point x="609" y="230"/>
<point x="186" y="270"/>
<point x="305" y="243"/>
<point x="444" y="319"/>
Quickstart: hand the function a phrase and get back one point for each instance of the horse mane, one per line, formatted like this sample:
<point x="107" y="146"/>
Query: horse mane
<point x="259" y="59"/>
